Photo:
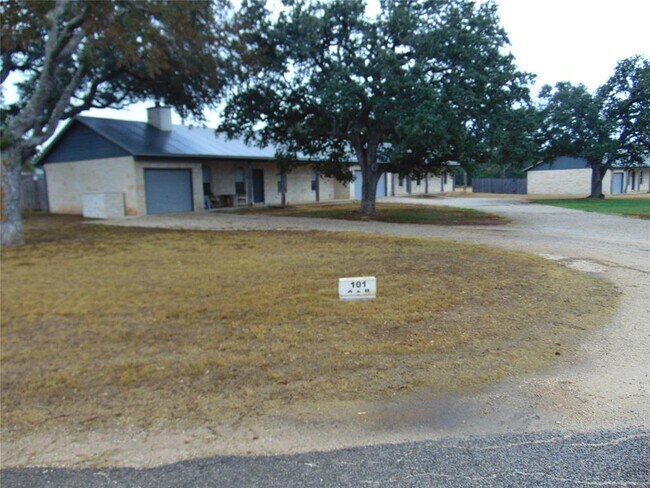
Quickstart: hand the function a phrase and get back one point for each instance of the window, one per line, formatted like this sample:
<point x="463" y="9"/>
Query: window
<point x="640" y="179"/>
<point x="240" y="182"/>
<point x="314" y="180"/>
<point x="633" y="175"/>
<point x="444" y="178"/>
<point x="401" y="181"/>
<point x="207" y="180"/>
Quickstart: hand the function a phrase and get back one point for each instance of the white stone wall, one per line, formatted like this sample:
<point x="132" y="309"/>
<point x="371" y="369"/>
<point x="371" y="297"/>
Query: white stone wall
<point x="561" y="182"/>
<point x="197" y="182"/>
<point x="298" y="182"/>
<point x="299" y="187"/>
<point x="67" y="182"/>
<point x="223" y="176"/>
<point x="607" y="183"/>
<point x="435" y="185"/>
<point x="343" y="191"/>
<point x="570" y="182"/>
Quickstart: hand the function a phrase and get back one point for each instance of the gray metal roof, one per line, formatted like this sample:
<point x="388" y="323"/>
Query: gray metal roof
<point x="141" y="139"/>
<point x="569" y="162"/>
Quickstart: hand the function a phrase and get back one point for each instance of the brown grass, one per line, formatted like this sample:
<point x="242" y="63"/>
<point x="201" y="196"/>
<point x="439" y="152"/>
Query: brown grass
<point x="397" y="213"/>
<point x="105" y="326"/>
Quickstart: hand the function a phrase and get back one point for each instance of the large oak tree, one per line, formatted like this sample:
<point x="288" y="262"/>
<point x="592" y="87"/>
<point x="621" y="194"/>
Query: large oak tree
<point x="421" y="84"/>
<point x="65" y="57"/>
<point x="610" y="126"/>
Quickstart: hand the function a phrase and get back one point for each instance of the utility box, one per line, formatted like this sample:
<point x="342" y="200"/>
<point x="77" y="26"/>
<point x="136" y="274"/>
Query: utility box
<point x="103" y="205"/>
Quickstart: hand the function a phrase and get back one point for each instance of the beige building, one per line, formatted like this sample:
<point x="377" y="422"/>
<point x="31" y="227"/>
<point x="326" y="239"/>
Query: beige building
<point x="572" y="176"/>
<point x="108" y="168"/>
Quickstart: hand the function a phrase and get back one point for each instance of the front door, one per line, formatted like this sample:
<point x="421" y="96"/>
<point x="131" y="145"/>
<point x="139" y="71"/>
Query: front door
<point x="381" y="186"/>
<point x="617" y="183"/>
<point x="258" y="186"/>
<point x="358" y="184"/>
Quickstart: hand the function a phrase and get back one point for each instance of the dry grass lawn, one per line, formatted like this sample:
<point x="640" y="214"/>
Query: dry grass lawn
<point x="398" y="213"/>
<point x="103" y="327"/>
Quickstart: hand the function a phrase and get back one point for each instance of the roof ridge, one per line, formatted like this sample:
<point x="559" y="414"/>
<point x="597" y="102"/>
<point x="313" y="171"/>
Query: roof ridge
<point x="143" y="122"/>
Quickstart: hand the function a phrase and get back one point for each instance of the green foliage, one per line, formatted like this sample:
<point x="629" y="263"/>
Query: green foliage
<point x="422" y="84"/>
<point x="572" y="124"/>
<point x="625" y="103"/>
<point x="107" y="54"/>
<point x="512" y="145"/>
<point x="637" y="207"/>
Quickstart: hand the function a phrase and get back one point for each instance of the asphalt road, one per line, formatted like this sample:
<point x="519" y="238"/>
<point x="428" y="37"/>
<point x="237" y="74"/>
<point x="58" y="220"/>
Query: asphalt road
<point x="552" y="459"/>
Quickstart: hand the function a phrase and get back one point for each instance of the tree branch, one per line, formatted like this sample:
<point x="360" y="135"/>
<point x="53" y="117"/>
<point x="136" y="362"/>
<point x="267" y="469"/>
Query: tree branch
<point x="88" y="100"/>
<point x="47" y="128"/>
<point x="59" y="41"/>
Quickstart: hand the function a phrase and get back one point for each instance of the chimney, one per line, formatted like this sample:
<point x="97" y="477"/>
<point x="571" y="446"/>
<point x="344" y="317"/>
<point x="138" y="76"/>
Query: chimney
<point x="160" y="117"/>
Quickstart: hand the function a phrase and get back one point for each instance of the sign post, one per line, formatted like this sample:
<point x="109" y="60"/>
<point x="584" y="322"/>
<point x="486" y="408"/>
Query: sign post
<point x="360" y="288"/>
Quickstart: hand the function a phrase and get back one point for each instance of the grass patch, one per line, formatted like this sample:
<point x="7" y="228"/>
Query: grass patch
<point x="106" y="326"/>
<point x="628" y="207"/>
<point x="386" y="212"/>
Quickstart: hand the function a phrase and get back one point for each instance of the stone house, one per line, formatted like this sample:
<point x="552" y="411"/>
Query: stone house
<point x="572" y="176"/>
<point x="109" y="168"/>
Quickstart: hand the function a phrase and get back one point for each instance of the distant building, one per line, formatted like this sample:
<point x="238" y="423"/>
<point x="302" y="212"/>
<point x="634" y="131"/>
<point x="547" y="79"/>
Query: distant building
<point x="572" y="176"/>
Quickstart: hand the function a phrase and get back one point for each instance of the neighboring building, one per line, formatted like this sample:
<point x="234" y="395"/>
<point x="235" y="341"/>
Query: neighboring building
<point x="572" y="176"/>
<point x="420" y="186"/>
<point x="108" y="168"/>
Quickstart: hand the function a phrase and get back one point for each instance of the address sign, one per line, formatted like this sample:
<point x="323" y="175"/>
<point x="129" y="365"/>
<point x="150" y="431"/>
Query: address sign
<point x="360" y="288"/>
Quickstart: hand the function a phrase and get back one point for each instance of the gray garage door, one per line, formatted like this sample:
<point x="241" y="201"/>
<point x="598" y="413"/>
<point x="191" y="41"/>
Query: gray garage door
<point x="168" y="190"/>
<point x="358" y="182"/>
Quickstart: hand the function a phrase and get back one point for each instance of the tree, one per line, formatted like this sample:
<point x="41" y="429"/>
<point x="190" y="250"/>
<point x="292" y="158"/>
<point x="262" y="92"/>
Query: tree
<point x="421" y="84"/>
<point x="66" y="57"/>
<point x="609" y="127"/>
<point x="512" y="144"/>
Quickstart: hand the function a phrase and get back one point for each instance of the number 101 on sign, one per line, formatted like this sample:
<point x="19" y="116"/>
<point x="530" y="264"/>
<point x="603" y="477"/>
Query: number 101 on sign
<point x="361" y="288"/>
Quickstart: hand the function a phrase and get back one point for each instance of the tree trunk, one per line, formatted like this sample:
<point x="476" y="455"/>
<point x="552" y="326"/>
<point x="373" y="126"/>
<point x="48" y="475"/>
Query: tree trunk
<point x="11" y="225"/>
<point x="369" y="189"/>
<point x="597" y="174"/>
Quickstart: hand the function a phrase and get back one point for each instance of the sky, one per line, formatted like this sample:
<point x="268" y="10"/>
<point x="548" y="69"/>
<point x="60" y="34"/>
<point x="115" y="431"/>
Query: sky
<point x="558" y="40"/>
<point x="579" y="41"/>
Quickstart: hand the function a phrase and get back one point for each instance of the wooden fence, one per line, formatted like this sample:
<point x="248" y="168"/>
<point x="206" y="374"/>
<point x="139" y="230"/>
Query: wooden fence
<point x="33" y="193"/>
<point x="499" y="185"/>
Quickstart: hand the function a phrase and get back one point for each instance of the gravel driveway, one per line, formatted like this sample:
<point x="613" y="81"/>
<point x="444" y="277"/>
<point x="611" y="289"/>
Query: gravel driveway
<point x="607" y="385"/>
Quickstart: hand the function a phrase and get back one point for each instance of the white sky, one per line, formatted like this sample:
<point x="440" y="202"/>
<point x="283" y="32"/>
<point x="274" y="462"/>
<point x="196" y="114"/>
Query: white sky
<point x="559" y="40"/>
<point x="575" y="40"/>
